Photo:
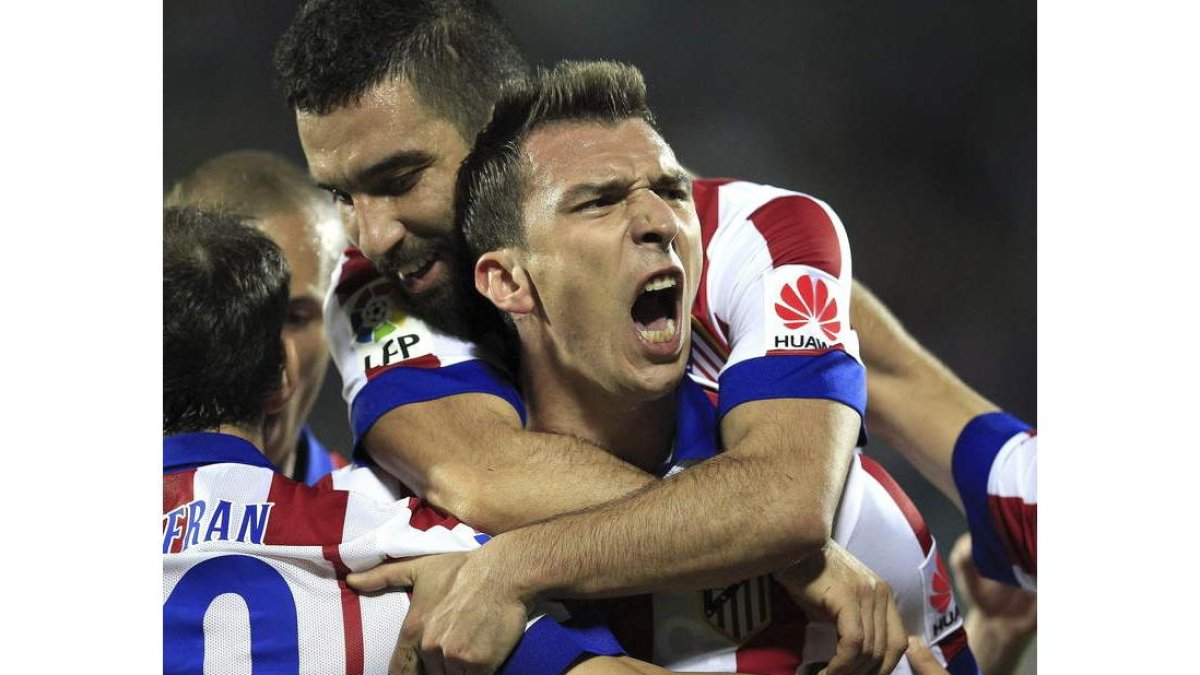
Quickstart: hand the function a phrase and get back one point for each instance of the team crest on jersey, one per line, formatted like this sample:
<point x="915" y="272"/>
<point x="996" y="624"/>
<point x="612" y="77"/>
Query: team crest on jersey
<point x="804" y="313"/>
<point x="739" y="611"/>
<point x="384" y="335"/>
<point x="941" y="611"/>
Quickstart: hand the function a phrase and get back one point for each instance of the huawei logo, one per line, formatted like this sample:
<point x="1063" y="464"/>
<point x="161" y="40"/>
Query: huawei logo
<point x="941" y="597"/>
<point x="807" y="301"/>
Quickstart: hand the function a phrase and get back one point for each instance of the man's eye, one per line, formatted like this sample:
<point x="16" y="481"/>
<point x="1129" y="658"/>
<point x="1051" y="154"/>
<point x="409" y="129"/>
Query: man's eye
<point x="599" y="203"/>
<point x="673" y="194"/>
<point x="400" y="185"/>
<point x="298" y="317"/>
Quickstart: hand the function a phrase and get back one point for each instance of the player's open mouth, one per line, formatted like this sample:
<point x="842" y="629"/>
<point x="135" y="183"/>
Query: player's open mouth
<point x="655" y="310"/>
<point x="419" y="275"/>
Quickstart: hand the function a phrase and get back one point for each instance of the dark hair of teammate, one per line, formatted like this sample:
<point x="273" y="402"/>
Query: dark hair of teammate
<point x="225" y="298"/>
<point x="492" y="180"/>
<point x="455" y="53"/>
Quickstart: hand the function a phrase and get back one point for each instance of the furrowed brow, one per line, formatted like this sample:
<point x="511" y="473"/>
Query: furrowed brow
<point x="585" y="190"/>
<point x="674" y="180"/>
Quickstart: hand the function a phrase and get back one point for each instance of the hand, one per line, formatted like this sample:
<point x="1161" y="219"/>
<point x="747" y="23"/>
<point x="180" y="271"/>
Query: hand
<point x="1008" y="610"/>
<point x="1002" y="619"/>
<point x="834" y="586"/>
<point x="922" y="661"/>
<point x="460" y="619"/>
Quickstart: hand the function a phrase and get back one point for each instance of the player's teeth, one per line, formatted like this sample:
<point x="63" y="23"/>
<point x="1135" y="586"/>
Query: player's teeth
<point x="659" y="335"/>
<point x="659" y="283"/>
<point x="413" y="268"/>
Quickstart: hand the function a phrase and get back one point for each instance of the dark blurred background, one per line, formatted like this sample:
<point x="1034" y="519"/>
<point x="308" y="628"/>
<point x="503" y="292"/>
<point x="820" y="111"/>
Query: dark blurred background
<point x="915" y="120"/>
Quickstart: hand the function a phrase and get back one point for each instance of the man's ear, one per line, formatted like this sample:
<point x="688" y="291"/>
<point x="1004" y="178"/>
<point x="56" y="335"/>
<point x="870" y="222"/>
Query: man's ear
<point x="501" y="279"/>
<point x="287" y="380"/>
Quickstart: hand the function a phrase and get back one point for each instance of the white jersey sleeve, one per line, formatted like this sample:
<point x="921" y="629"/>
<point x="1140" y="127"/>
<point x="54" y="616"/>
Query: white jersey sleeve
<point x="388" y="358"/>
<point x="773" y="309"/>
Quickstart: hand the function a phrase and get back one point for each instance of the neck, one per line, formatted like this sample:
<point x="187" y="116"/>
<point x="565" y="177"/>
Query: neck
<point x="637" y="431"/>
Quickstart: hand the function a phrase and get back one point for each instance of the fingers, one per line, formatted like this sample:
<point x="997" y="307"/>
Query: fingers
<point x="848" y="656"/>
<point x="396" y="574"/>
<point x="872" y="647"/>
<point x="895" y="641"/>
<point x="922" y="660"/>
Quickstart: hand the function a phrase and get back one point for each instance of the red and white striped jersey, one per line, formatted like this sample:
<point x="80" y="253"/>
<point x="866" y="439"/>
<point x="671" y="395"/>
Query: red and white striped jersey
<point x="254" y="566"/>
<point x="772" y="313"/>
<point x="995" y="471"/>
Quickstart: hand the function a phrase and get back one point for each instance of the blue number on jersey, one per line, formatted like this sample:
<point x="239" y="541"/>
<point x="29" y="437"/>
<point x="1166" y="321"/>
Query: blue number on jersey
<point x="274" y="643"/>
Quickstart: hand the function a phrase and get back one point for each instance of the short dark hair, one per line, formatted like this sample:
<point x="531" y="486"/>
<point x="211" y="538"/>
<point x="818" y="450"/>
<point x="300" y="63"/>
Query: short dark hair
<point x="492" y="180"/>
<point x="455" y="53"/>
<point x="225" y="299"/>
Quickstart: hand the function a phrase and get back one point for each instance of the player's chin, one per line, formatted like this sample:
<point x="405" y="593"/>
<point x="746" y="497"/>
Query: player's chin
<point x="649" y="380"/>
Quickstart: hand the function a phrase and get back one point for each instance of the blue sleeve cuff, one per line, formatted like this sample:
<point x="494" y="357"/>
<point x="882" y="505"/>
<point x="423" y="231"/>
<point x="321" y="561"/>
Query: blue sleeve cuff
<point x="550" y="648"/>
<point x="974" y="452"/>
<point x="835" y="376"/>
<point x="404" y="385"/>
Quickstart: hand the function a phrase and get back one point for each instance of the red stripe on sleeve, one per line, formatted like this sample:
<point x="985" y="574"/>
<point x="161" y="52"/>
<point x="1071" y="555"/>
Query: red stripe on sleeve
<point x="798" y="231"/>
<point x="911" y="514"/>
<point x="1016" y="523"/>
<point x="356" y="272"/>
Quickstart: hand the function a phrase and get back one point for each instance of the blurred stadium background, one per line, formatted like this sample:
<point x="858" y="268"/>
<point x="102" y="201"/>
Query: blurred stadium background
<point x="914" y="120"/>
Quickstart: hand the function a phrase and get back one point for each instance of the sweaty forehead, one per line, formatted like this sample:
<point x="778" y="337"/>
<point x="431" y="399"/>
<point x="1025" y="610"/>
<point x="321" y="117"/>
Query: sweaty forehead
<point x="563" y="153"/>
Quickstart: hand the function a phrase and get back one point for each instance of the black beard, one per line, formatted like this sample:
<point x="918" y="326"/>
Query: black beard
<point x="456" y="308"/>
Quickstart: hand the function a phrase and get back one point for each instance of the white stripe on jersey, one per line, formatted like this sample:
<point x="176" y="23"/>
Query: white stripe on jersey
<point x="1014" y="471"/>
<point x="740" y="262"/>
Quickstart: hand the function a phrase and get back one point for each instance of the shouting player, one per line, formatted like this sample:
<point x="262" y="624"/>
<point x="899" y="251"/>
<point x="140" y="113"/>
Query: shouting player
<point x="596" y="262"/>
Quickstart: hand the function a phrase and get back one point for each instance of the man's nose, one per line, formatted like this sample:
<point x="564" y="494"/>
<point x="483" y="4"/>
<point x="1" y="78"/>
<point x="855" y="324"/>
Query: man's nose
<point x="653" y="220"/>
<point x="379" y="230"/>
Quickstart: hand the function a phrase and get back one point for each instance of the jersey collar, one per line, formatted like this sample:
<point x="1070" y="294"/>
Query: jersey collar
<point x="188" y="451"/>
<point x="695" y="427"/>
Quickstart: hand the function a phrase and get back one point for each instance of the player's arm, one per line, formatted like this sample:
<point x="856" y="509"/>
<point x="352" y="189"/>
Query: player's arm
<point x="918" y="406"/>
<point x="468" y="454"/>
<point x="446" y="424"/>
<point x="983" y="460"/>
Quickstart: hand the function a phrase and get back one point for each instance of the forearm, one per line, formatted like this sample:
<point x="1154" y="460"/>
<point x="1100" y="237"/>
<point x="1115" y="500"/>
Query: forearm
<point x="916" y="404"/>
<point x="491" y="474"/>
<point x="754" y="509"/>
